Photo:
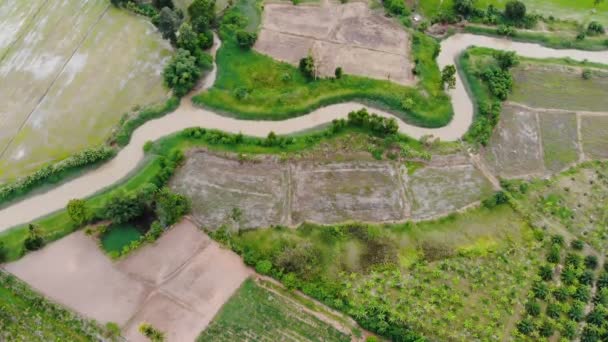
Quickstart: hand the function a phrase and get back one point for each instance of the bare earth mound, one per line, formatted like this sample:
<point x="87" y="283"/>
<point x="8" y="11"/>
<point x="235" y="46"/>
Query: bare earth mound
<point x="349" y="35"/>
<point x="177" y="284"/>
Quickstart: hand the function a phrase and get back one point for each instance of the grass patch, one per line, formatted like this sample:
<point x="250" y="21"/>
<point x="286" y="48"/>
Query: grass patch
<point x="116" y="237"/>
<point x="254" y="313"/>
<point x="27" y="316"/>
<point x="254" y="86"/>
<point x="441" y="273"/>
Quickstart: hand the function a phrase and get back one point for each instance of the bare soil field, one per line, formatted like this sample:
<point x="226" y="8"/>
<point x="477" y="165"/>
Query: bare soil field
<point x="177" y="290"/>
<point x="560" y="87"/>
<point x="49" y="53"/>
<point x="438" y="190"/>
<point x="559" y="139"/>
<point x="515" y="147"/>
<point x="348" y="35"/>
<point x="261" y="192"/>
<point x="594" y="135"/>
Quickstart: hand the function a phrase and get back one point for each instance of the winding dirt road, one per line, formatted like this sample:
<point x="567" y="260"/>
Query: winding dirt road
<point x="187" y="115"/>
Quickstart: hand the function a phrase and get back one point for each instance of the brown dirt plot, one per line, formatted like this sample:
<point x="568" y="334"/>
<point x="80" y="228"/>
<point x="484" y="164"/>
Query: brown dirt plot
<point x="349" y="35"/>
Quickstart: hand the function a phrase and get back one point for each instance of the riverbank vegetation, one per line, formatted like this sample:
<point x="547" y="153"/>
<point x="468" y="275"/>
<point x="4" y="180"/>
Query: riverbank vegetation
<point x="253" y="86"/>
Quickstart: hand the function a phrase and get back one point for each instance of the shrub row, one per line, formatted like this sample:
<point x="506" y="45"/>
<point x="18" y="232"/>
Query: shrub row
<point x="53" y="173"/>
<point x="122" y="135"/>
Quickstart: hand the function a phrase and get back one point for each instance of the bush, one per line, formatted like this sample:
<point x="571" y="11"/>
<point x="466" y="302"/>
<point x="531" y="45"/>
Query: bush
<point x="396" y="7"/>
<point x="151" y="333"/>
<point x="526" y="326"/>
<point x="378" y="125"/>
<point x="533" y="308"/>
<point x="33" y="241"/>
<point x="338" y="72"/>
<point x="307" y="67"/>
<point x="123" y="207"/>
<point x="246" y="39"/>
<point x="182" y="72"/>
<point x="263" y="267"/>
<point x="3" y="252"/>
<point x="466" y="8"/>
<point x="591" y="262"/>
<point x="170" y="207"/>
<point x="78" y="211"/>
<point x="515" y="10"/>
<point x="499" y="82"/>
<point x="586" y="74"/>
<point x="448" y="76"/>
<point x="595" y="28"/>
<point x="577" y="244"/>
<point x="506" y="59"/>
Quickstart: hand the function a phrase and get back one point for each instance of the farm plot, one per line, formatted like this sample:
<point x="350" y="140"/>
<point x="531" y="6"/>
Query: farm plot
<point x="515" y="148"/>
<point x="349" y="35"/>
<point x="559" y="140"/>
<point x="176" y="290"/>
<point x="560" y="87"/>
<point x="76" y="69"/>
<point x="226" y="191"/>
<point x="594" y="132"/>
<point x="254" y="313"/>
<point x="440" y="190"/>
<point x="338" y="192"/>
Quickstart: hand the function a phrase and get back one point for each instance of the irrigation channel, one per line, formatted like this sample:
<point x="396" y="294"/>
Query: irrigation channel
<point x="187" y="115"/>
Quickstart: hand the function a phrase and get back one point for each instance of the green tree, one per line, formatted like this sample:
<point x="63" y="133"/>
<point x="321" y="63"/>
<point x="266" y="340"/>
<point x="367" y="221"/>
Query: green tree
<point x="153" y="334"/>
<point x="181" y="73"/>
<point x="307" y="67"/>
<point x="546" y="272"/>
<point x="466" y="8"/>
<point x="245" y="39"/>
<point x="338" y="72"/>
<point x="170" y="207"/>
<point x="591" y="262"/>
<point x="34" y="240"/>
<point x="515" y="10"/>
<point x="163" y="3"/>
<point x="448" y="76"/>
<point x="123" y="207"/>
<point x="202" y="15"/>
<point x="506" y="59"/>
<point x="3" y="252"/>
<point x="595" y="28"/>
<point x="263" y="267"/>
<point x="78" y="211"/>
<point x="533" y="308"/>
<point x="168" y="23"/>
<point x="187" y="39"/>
<point x="526" y="326"/>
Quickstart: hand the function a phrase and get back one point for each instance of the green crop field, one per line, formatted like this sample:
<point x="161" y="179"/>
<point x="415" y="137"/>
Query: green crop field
<point x="69" y="71"/>
<point x="27" y="316"/>
<point x="579" y="10"/>
<point x="256" y="314"/>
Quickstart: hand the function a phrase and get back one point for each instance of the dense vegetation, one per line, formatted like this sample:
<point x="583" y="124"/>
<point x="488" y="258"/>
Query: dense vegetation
<point x="27" y="316"/>
<point x="255" y="313"/>
<point x="254" y="86"/>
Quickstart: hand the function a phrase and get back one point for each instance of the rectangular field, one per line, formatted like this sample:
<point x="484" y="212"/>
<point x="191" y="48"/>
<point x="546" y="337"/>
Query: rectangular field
<point x="560" y="87"/>
<point x="74" y="69"/>
<point x="559" y="140"/>
<point x="256" y="314"/>
<point x="594" y="131"/>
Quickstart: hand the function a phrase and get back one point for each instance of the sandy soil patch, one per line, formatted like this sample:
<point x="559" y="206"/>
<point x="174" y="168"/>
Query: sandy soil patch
<point x="177" y="284"/>
<point x="74" y="272"/>
<point x="349" y="35"/>
<point x="515" y="147"/>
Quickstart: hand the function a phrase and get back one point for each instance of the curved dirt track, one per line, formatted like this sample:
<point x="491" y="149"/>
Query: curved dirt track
<point x="187" y="115"/>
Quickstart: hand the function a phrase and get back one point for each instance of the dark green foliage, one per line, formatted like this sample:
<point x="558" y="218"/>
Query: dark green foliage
<point x="168" y="23"/>
<point x="202" y="15"/>
<point x="591" y="333"/>
<point x="573" y="260"/>
<point x="33" y="241"/>
<point x="78" y="211"/>
<point x="124" y="207"/>
<point x="586" y="278"/>
<point x="557" y="240"/>
<point x="577" y="311"/>
<point x="591" y="262"/>
<point x="263" y="267"/>
<point x="595" y="28"/>
<point x="170" y="207"/>
<point x="546" y="272"/>
<point x="497" y="199"/>
<point x="582" y="293"/>
<point x="540" y="290"/>
<point x="182" y="73"/>
<point x="246" y="39"/>
<point x="396" y="7"/>
<point x="506" y="59"/>
<point x="568" y="275"/>
<point x="560" y="293"/>
<point x="526" y="326"/>
<point x="483" y="126"/>
<point x="300" y="259"/>
<point x="163" y="3"/>
<point x="598" y="316"/>
<point x="379" y="125"/>
<point x="123" y="135"/>
<point x="466" y="8"/>
<point x="546" y="329"/>
<point x="448" y="76"/>
<point x="553" y="310"/>
<point x="602" y="280"/>
<point x="3" y="252"/>
<point x="554" y="254"/>
<point x="577" y="244"/>
<point x="500" y="82"/>
<point x="533" y="308"/>
<point x="307" y="67"/>
<point x="569" y="330"/>
<point x="338" y="72"/>
<point x="515" y="10"/>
